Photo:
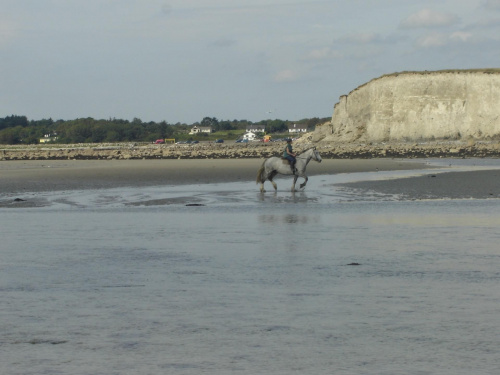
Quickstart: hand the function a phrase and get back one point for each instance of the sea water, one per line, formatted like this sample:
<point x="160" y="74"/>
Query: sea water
<point x="220" y="279"/>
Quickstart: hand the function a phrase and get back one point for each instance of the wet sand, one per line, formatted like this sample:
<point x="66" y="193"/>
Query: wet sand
<point x="482" y="184"/>
<point x="21" y="180"/>
<point x="37" y="175"/>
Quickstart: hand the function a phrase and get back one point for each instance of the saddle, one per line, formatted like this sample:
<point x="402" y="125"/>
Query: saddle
<point x="289" y="163"/>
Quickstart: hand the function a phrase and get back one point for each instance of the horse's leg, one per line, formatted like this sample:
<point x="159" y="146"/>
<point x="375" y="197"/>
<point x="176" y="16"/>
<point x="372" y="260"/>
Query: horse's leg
<point x="295" y="177"/>
<point x="262" y="180"/>
<point x="303" y="185"/>
<point x="260" y="177"/>
<point x="270" y="178"/>
<point x="274" y="183"/>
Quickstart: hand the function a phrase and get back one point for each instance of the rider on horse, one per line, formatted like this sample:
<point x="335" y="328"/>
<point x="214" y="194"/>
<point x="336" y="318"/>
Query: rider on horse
<point x="289" y="154"/>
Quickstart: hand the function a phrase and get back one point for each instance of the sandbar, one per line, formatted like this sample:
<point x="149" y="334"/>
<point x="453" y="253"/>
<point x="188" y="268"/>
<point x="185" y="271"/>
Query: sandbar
<point x="476" y="184"/>
<point x="17" y="177"/>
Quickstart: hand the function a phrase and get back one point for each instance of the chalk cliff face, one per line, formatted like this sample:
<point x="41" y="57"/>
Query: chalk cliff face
<point x="415" y="106"/>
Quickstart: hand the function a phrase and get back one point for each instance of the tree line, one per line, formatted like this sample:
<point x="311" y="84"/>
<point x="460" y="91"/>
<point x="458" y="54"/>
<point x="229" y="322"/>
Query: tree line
<point x="20" y="130"/>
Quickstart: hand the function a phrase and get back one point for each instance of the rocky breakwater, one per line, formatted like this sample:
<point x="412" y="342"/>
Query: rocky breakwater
<point x="337" y="150"/>
<point x="141" y="151"/>
<point x="419" y="106"/>
<point x="327" y="149"/>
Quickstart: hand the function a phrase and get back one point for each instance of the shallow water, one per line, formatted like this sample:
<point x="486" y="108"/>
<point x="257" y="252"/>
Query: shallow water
<point x="131" y="281"/>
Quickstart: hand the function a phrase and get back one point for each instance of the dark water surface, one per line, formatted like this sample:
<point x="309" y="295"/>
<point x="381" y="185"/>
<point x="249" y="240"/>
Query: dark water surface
<point x="136" y="282"/>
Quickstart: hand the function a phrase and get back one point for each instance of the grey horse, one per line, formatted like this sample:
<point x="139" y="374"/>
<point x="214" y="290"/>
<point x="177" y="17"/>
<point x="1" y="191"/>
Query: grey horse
<point x="274" y="165"/>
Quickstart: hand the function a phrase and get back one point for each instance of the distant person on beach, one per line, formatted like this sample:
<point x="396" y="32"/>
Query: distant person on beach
<point x="289" y="154"/>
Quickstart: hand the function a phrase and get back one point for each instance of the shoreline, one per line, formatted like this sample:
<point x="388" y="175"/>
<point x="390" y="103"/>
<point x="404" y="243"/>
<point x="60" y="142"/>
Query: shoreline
<point x="22" y="181"/>
<point x="17" y="177"/>
<point x="474" y="184"/>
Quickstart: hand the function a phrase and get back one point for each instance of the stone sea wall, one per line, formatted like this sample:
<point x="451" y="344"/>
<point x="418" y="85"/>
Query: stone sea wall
<point x="333" y="150"/>
<point x="419" y="106"/>
<point x="127" y="151"/>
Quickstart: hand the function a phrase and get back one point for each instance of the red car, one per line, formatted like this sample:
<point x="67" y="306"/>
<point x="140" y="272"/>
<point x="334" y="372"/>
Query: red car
<point x="159" y="141"/>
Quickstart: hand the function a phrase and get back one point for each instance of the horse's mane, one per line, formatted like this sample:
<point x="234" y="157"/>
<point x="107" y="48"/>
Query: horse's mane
<point x="308" y="149"/>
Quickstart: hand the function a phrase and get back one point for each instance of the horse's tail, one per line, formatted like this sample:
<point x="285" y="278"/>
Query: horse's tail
<point x="260" y="174"/>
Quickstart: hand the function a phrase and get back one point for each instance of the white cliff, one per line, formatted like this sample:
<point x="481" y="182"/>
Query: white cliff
<point x="415" y="106"/>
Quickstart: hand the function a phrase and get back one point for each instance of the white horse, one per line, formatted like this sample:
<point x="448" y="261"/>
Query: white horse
<point x="274" y="165"/>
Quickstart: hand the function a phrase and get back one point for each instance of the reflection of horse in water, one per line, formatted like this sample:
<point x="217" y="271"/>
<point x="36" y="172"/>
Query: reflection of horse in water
<point x="274" y="165"/>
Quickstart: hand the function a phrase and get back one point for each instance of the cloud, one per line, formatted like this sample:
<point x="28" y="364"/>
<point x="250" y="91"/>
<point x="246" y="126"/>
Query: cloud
<point x="224" y="42"/>
<point x="319" y="54"/>
<point x="461" y="36"/>
<point x="166" y="8"/>
<point x="286" y="75"/>
<point x="323" y="53"/>
<point x="492" y="4"/>
<point x="370" y="38"/>
<point x="432" y="40"/>
<point x="8" y="31"/>
<point x="428" y="18"/>
<point x="484" y="24"/>
<point x="361" y="38"/>
<point x="441" y="39"/>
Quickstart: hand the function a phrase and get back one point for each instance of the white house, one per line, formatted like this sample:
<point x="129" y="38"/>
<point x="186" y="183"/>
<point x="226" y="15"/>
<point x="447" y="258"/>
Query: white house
<point x="48" y="138"/>
<point x="255" y="128"/>
<point x="200" y="129"/>
<point x="249" y="136"/>
<point x="297" y="128"/>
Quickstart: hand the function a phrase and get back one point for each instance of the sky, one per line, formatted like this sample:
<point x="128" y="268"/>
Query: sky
<point x="183" y="60"/>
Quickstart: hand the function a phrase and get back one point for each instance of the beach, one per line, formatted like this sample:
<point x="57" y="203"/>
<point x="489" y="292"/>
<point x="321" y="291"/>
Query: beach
<point x="22" y="182"/>
<point x="53" y="175"/>
<point x="482" y="184"/>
